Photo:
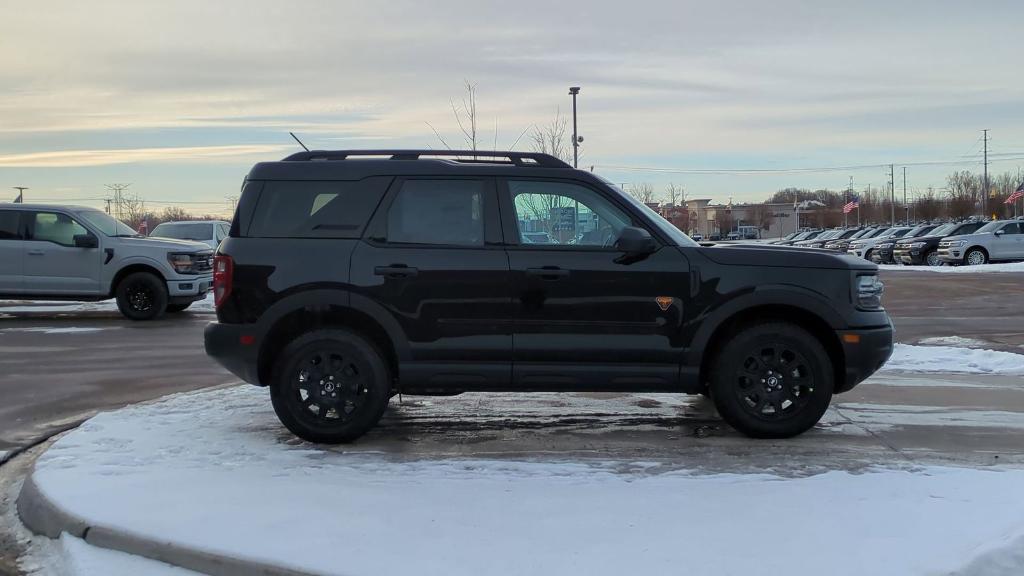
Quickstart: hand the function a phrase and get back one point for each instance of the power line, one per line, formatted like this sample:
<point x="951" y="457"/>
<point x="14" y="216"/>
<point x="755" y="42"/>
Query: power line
<point x="724" y="171"/>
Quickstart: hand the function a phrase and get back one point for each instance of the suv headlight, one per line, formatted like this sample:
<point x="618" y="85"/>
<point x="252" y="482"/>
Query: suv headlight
<point x="917" y="244"/>
<point x="869" y="292"/>
<point x="182" y="263"/>
<point x="885" y="245"/>
<point x="957" y="243"/>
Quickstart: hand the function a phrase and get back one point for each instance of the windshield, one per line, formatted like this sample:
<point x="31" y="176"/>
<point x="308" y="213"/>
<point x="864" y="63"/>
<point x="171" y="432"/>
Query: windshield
<point x="861" y="233"/>
<point x="944" y="229"/>
<point x="919" y="231"/>
<point x="107" y="224"/>
<point x="990" y="227"/>
<point x="184" y="231"/>
<point x="658" y="220"/>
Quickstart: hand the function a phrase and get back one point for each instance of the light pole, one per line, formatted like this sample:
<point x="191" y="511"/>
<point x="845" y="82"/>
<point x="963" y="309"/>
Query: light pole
<point x="573" y="91"/>
<point x="21" y="194"/>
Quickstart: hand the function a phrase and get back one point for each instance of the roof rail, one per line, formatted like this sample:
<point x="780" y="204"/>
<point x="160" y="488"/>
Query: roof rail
<point x="534" y="159"/>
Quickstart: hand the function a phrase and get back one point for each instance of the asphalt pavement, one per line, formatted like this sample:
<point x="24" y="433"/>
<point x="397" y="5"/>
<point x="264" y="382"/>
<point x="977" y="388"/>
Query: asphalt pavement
<point x="57" y="369"/>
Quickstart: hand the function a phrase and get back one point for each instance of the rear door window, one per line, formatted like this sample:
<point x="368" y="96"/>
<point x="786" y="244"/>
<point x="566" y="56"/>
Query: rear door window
<point x="316" y="209"/>
<point x="9" y="225"/>
<point x="438" y="212"/>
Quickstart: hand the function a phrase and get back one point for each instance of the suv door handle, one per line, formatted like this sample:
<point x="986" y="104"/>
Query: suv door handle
<point x="396" y="271"/>
<point x="547" y="273"/>
<point x="36" y="252"/>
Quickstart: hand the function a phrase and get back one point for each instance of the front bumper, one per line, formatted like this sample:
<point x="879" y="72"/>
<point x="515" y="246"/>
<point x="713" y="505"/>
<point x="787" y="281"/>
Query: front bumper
<point x="951" y="254"/>
<point x="882" y="256"/>
<point x="235" y="347"/>
<point x="908" y="255"/>
<point x="858" y="252"/>
<point x="189" y="287"/>
<point x="865" y="350"/>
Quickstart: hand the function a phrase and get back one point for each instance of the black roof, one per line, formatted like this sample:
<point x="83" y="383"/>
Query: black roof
<point x="356" y="164"/>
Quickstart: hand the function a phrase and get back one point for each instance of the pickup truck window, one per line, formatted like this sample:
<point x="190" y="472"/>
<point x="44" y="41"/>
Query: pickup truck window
<point x="56" y="227"/>
<point x="9" y="225"/>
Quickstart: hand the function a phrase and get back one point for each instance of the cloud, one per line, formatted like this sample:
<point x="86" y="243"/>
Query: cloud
<point x="193" y="154"/>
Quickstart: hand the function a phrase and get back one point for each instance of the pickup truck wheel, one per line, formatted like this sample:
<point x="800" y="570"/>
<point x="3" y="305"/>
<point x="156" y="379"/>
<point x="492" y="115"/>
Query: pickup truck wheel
<point x="173" y="308"/>
<point x="975" y="257"/>
<point x="772" y="380"/>
<point x="330" y="386"/>
<point x="141" y="296"/>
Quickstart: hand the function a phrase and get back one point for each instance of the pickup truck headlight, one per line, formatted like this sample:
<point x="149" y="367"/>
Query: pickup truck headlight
<point x="182" y="263"/>
<point x="869" y="292"/>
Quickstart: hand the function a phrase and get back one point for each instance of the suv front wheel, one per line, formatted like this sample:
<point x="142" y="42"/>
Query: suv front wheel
<point x="772" y="380"/>
<point x="330" y="386"/>
<point x="141" y="296"/>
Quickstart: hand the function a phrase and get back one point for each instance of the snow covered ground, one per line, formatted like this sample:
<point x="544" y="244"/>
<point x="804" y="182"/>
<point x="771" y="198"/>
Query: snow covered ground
<point x="70" y="556"/>
<point x="15" y="306"/>
<point x="355" y="510"/>
<point x="981" y="269"/>
<point x="907" y="357"/>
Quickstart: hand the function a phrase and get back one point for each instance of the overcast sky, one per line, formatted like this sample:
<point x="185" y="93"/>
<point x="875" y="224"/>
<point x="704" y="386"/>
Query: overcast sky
<point x="180" y="98"/>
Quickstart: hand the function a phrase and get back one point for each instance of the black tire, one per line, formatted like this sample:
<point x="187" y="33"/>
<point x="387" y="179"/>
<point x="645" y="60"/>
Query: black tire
<point x="975" y="257"/>
<point x="765" y="366"/>
<point x="141" y="296"/>
<point x="355" y="389"/>
<point x="867" y="255"/>
<point x="174" y="308"/>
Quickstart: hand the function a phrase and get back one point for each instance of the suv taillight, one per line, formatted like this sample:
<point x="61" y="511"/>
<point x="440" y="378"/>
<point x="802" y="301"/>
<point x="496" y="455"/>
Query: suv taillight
<point x="223" y="272"/>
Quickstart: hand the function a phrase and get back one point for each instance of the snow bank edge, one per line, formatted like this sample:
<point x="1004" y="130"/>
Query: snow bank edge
<point x="42" y="516"/>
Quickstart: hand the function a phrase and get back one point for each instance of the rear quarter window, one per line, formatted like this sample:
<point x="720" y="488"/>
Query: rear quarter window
<point x="316" y="209"/>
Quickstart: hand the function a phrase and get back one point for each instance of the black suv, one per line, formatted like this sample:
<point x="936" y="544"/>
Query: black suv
<point x="349" y="277"/>
<point x="925" y="249"/>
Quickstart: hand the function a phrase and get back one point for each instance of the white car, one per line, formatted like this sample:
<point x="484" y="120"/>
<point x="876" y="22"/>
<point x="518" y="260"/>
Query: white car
<point x="210" y="232"/>
<point x="863" y="248"/>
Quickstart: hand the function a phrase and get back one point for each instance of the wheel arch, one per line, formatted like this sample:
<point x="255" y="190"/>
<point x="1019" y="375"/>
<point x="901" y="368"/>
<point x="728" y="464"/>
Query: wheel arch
<point x="131" y="269"/>
<point x="820" y="322"/>
<point x="988" y="256"/>
<point x="325" y="309"/>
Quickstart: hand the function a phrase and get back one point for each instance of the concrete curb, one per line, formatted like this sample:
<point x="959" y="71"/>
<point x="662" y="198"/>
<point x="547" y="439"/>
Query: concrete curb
<point x="42" y="516"/>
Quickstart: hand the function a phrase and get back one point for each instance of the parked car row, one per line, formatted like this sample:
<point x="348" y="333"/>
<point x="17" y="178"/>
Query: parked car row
<point x="953" y="243"/>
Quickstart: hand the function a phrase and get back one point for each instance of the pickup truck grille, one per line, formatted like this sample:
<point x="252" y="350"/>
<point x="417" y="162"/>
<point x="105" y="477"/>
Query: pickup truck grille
<point x="204" y="262"/>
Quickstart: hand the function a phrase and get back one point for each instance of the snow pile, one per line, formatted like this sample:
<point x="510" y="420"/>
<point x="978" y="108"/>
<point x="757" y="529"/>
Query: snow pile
<point x="979" y="269"/>
<point x="240" y="485"/>
<point x="912" y="358"/>
<point x="77" y="558"/>
<point x="953" y="341"/>
<point x="50" y="306"/>
<point x="53" y="329"/>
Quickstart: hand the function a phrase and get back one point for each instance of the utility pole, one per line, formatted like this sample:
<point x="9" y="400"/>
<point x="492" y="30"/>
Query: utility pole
<point x="108" y="200"/>
<point x="21" y="194"/>
<point x="892" y="195"/>
<point x="984" y="192"/>
<point x="573" y="91"/>
<point x="117" y="190"/>
<point x="846" y="200"/>
<point x="906" y="219"/>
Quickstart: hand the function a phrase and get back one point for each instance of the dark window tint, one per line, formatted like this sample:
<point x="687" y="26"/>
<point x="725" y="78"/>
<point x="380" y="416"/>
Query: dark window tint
<point x="9" y="225"/>
<point x="438" y="212"/>
<point x="293" y="209"/>
<point x="1012" y="228"/>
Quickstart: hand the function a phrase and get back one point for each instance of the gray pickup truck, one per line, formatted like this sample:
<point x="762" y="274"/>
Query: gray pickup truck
<point x="50" y="252"/>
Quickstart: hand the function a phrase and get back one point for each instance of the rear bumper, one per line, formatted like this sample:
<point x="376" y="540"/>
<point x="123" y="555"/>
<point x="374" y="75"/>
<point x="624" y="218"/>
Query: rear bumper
<point x="865" y="350"/>
<point x="235" y="347"/>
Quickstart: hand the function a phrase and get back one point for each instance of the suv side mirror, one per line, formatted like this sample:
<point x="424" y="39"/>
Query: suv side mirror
<point x="999" y="232"/>
<point x="633" y="240"/>
<point x="86" y="241"/>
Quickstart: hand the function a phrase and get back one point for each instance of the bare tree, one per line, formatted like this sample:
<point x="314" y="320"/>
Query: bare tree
<point x="174" y="214"/>
<point x="130" y="207"/>
<point x="551" y="138"/>
<point x="676" y="194"/>
<point x="643" y="192"/>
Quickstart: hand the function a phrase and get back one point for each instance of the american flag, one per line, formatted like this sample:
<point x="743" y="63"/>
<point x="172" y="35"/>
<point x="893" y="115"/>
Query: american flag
<point x="1017" y="195"/>
<point x="144" y="227"/>
<point x="852" y="205"/>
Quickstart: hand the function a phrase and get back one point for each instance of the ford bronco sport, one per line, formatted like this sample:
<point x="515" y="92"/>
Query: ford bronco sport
<point x="351" y="276"/>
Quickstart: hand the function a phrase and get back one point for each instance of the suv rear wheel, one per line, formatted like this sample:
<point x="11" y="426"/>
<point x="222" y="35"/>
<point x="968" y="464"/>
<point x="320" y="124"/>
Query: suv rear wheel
<point x="141" y="296"/>
<point x="772" y="380"/>
<point x="330" y="386"/>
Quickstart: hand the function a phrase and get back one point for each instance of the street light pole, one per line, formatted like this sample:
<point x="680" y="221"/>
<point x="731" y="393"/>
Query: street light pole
<point x="573" y="91"/>
<point x="21" y="194"/>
